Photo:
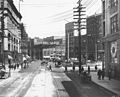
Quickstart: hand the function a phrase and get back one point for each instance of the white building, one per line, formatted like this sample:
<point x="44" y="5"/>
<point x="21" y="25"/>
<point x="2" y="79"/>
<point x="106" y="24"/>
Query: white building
<point x="12" y="33"/>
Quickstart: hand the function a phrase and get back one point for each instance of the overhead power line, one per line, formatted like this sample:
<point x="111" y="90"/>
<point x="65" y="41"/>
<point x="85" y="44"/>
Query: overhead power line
<point x="47" y="5"/>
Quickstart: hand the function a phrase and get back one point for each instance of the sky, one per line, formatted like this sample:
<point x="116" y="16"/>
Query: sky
<point x="45" y="18"/>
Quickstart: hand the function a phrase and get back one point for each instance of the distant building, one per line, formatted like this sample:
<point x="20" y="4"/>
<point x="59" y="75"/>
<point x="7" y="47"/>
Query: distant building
<point x="31" y="47"/>
<point x="69" y="42"/>
<point x="94" y="35"/>
<point x="44" y="48"/>
<point x="56" y="47"/>
<point x="24" y="40"/>
<point x="83" y="48"/>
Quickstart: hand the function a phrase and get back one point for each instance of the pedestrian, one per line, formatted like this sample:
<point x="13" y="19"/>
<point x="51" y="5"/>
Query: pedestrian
<point x="50" y="67"/>
<point x="24" y="61"/>
<point x="109" y="73"/>
<point x="65" y="67"/>
<point x="88" y="69"/>
<point x="103" y="74"/>
<point x="82" y="69"/>
<point x="95" y="67"/>
<point x="17" y="65"/>
<point x="9" y="60"/>
<point x="73" y="67"/>
<point x="99" y="74"/>
<point x="14" y="66"/>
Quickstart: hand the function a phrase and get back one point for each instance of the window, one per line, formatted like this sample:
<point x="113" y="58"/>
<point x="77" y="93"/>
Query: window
<point x="103" y="9"/>
<point x="113" y="3"/>
<point x="103" y="28"/>
<point x="114" y="24"/>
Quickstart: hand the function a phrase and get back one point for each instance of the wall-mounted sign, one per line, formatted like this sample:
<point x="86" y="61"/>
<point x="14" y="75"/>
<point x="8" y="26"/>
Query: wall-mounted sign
<point x="113" y="49"/>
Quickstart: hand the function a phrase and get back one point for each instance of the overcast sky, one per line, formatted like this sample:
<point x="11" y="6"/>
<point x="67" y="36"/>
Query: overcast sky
<point x="43" y="18"/>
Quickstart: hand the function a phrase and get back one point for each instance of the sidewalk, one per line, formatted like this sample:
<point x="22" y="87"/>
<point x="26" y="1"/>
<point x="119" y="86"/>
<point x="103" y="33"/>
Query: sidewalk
<point x="14" y="75"/>
<point x="111" y="85"/>
<point x="9" y="80"/>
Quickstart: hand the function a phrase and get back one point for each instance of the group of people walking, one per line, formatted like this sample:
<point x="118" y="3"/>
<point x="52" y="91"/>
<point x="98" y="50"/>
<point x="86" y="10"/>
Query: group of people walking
<point x="13" y="63"/>
<point x="101" y="73"/>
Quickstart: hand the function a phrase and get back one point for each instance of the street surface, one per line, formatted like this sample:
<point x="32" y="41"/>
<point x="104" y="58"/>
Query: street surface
<point x="38" y="81"/>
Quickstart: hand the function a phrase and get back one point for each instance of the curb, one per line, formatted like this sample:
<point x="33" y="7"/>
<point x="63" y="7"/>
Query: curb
<point x="102" y="87"/>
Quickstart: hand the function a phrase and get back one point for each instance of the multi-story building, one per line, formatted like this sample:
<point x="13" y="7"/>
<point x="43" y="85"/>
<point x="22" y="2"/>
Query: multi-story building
<point x="31" y="47"/>
<point x="44" y="48"/>
<point x="69" y="36"/>
<point x="56" y="47"/>
<point x="111" y="32"/>
<point x="83" y="48"/>
<point x="94" y="35"/>
<point x="12" y="34"/>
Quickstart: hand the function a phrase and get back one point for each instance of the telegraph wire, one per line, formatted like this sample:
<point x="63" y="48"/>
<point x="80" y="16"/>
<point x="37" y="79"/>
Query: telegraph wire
<point x="66" y="14"/>
<point x="91" y="5"/>
<point x="88" y="3"/>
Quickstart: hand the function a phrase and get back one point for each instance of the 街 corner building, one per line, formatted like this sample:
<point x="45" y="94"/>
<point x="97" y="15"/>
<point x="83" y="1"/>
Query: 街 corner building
<point x="111" y="36"/>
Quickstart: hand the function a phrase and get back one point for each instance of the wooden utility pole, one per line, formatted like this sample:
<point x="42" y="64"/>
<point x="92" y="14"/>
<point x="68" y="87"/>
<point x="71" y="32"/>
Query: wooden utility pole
<point x="79" y="27"/>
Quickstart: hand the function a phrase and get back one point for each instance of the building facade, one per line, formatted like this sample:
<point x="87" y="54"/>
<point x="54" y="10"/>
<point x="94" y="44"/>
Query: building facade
<point x="56" y="48"/>
<point x="94" y="35"/>
<point x="44" y="48"/>
<point x="12" y="33"/>
<point x="24" y="40"/>
<point x="83" y="48"/>
<point x="111" y="32"/>
<point x="69" y="42"/>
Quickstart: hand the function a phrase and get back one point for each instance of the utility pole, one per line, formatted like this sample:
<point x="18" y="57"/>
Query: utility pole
<point x="79" y="26"/>
<point x="2" y="32"/>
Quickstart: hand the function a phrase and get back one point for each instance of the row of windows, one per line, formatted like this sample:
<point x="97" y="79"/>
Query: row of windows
<point x="12" y="39"/>
<point x="113" y="3"/>
<point x="12" y="48"/>
<point x="114" y="24"/>
<point x="11" y="10"/>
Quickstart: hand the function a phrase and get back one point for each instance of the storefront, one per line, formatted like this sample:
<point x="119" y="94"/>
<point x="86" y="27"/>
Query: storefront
<point x="112" y="58"/>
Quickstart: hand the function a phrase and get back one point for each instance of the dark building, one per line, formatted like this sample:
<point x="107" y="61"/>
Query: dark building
<point x="69" y="36"/>
<point x="24" y="40"/>
<point x="31" y="48"/>
<point x="83" y="48"/>
<point x="76" y="47"/>
<point x="94" y="35"/>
